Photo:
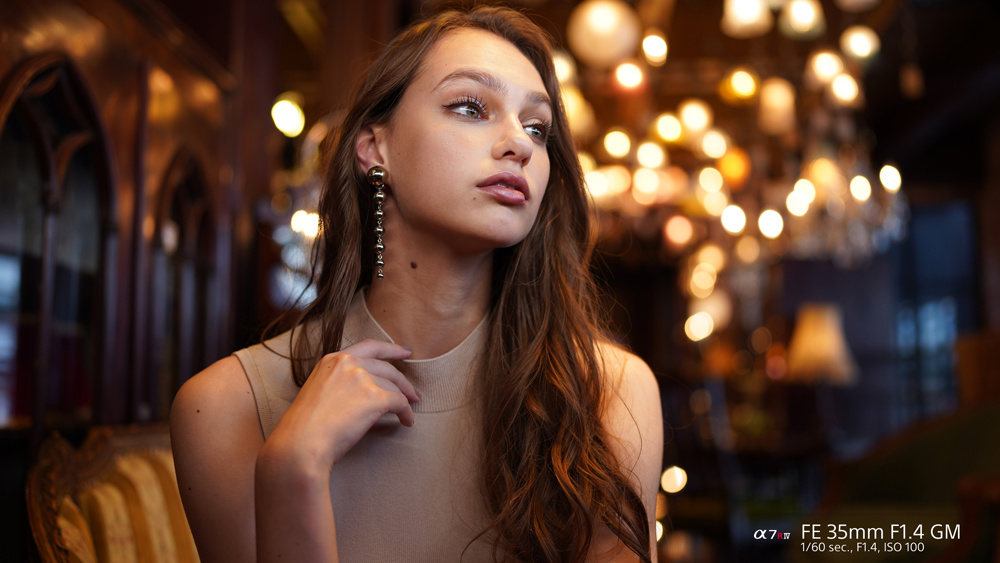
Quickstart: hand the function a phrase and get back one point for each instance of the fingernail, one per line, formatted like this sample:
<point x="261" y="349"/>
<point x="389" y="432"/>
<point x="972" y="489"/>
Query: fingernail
<point x="407" y="348"/>
<point x="419" y="396"/>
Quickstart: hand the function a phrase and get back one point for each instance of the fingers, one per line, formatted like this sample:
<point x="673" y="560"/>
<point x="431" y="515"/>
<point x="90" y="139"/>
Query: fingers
<point x="378" y="350"/>
<point x="399" y="406"/>
<point x="386" y="371"/>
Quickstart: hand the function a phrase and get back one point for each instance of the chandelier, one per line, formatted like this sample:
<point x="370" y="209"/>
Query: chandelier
<point x="829" y="202"/>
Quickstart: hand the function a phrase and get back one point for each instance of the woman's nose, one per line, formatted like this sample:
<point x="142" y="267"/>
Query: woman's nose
<point x="515" y="144"/>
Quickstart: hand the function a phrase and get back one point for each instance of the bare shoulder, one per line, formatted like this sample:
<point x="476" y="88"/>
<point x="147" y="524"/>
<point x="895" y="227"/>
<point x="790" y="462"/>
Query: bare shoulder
<point x="215" y="436"/>
<point x="627" y="374"/>
<point x="634" y="419"/>
<point x="218" y="395"/>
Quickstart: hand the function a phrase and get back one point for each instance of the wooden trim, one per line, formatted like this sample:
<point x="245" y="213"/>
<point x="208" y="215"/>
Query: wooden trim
<point x="138" y="337"/>
<point x="184" y="44"/>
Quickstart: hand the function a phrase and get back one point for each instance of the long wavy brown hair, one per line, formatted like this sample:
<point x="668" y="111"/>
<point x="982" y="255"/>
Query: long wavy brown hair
<point x="548" y="474"/>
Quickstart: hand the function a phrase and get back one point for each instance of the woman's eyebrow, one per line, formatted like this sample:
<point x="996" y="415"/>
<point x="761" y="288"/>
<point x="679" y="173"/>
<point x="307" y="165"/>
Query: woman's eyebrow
<point x="493" y="83"/>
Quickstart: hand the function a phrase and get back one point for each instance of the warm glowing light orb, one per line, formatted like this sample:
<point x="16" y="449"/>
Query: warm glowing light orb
<point x="659" y="531"/>
<point x="617" y="143"/>
<point x="710" y="179"/>
<point x="305" y="223"/>
<point x="796" y="205"/>
<point x="619" y="178"/>
<point x="695" y="114"/>
<point x="859" y="42"/>
<point x="805" y="190"/>
<point x="802" y="15"/>
<point x="770" y="223"/>
<point x="288" y="117"/>
<point x="734" y="219"/>
<point x="890" y="178"/>
<point x="743" y="84"/>
<point x="655" y="48"/>
<point x="715" y="203"/>
<point x="861" y="188"/>
<point x="668" y="127"/>
<point x="565" y="66"/>
<point x="678" y="230"/>
<point x="714" y="144"/>
<point x="703" y="276"/>
<point x="597" y="183"/>
<point x="629" y="75"/>
<point x="646" y="180"/>
<point x="650" y="155"/>
<point x="826" y="65"/>
<point x="712" y="255"/>
<point x="698" y="327"/>
<point x="845" y="88"/>
<point x="747" y="249"/>
<point x="674" y="478"/>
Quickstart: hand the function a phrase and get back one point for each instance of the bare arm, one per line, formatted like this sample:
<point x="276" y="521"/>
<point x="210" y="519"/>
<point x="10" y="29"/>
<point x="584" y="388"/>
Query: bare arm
<point x="251" y="500"/>
<point x="215" y="437"/>
<point x="635" y="420"/>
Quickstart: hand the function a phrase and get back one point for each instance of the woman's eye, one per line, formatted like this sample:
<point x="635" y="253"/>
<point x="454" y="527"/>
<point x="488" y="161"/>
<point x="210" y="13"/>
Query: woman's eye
<point x="538" y="130"/>
<point x="469" y="110"/>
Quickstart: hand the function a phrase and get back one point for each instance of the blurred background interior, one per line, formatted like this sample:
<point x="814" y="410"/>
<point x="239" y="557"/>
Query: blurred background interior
<point x="797" y="202"/>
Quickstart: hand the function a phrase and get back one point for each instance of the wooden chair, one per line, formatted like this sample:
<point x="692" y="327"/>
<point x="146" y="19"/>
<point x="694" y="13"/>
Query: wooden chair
<point x="115" y="500"/>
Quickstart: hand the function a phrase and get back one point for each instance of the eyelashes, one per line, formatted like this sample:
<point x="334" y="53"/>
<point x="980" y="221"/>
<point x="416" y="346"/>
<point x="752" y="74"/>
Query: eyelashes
<point x="475" y="108"/>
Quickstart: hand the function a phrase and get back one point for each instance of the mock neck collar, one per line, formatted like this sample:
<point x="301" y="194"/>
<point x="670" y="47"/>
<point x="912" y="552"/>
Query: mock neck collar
<point x="445" y="382"/>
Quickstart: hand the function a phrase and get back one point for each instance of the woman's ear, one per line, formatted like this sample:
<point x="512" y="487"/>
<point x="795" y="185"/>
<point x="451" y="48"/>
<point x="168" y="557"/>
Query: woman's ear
<point x="370" y="147"/>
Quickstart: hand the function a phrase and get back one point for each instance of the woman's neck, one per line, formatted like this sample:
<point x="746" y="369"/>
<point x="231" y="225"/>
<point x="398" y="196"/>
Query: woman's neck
<point x="430" y="301"/>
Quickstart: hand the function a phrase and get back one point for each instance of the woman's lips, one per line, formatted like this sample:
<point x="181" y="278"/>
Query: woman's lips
<point x="506" y="187"/>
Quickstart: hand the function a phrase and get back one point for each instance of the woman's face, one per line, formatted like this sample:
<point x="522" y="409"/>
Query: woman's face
<point x="465" y="149"/>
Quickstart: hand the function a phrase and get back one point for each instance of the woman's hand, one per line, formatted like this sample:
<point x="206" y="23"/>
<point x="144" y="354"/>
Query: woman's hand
<point x="344" y="396"/>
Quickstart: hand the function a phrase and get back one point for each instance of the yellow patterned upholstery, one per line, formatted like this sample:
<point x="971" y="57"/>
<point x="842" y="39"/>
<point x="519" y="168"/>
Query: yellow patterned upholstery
<point x="137" y="479"/>
<point x="107" y="515"/>
<point x="163" y="463"/>
<point x="127" y="509"/>
<point x="74" y="533"/>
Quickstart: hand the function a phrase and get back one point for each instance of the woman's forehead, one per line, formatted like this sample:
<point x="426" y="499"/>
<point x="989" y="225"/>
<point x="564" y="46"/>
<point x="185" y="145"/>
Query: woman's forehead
<point x="480" y="51"/>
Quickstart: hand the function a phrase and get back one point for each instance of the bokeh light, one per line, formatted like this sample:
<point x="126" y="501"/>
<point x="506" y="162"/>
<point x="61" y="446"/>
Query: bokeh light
<point x="288" y="116"/>
<point x="673" y="479"/>
<point x="859" y="42"/>
<point x="617" y="143"/>
<point x="890" y="178"/>
<point x="714" y="144"/>
<point x="695" y="115"/>
<point x="628" y="75"/>
<point x="698" y="327"/>
<point x="861" y="188"/>
<point x="748" y="249"/>
<point x="678" y="230"/>
<point x="805" y="190"/>
<point x="710" y="179"/>
<point x="770" y="223"/>
<point x="796" y="206"/>
<point x="668" y="127"/>
<point x="650" y="155"/>
<point x="734" y="219"/>
<point x="654" y="46"/>
<point x="715" y="203"/>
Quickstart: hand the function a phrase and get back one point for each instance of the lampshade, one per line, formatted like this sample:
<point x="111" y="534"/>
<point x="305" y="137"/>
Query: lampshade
<point x="776" y="114"/>
<point x="818" y="350"/>
<point x="746" y="18"/>
<point x="603" y="32"/>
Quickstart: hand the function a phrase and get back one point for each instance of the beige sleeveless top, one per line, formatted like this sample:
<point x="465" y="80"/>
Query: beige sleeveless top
<point x="400" y="494"/>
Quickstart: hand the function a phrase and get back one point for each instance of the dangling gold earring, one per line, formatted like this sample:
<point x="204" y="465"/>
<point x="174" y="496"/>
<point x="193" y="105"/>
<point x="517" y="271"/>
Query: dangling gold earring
<point x="376" y="177"/>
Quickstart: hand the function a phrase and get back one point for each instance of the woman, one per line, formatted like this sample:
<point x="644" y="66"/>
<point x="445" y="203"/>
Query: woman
<point x="507" y="427"/>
